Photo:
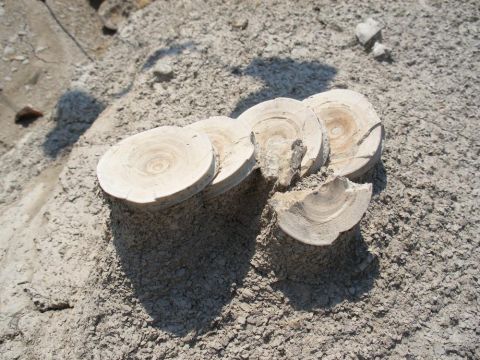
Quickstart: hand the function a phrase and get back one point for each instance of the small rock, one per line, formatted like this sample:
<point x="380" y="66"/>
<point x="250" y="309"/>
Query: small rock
<point x="163" y="71"/>
<point x="19" y="58"/>
<point x="368" y="32"/>
<point x="240" y="23"/>
<point x="27" y="114"/>
<point x="8" y="50"/>
<point x="381" y="52"/>
<point x="242" y="320"/>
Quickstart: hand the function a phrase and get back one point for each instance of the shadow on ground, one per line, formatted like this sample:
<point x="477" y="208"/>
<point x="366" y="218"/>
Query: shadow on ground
<point x="185" y="263"/>
<point x="75" y="112"/>
<point x="173" y="49"/>
<point x="350" y="276"/>
<point x="314" y="277"/>
<point x="284" y="77"/>
<point x="378" y="178"/>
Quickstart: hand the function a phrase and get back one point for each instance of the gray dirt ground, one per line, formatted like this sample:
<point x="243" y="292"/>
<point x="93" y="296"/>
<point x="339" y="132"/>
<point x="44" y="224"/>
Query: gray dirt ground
<point x="83" y="278"/>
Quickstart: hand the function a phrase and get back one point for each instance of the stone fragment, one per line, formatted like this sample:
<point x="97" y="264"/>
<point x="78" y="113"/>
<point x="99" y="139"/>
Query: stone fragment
<point x="27" y="114"/>
<point x="381" y="52"/>
<point x="240" y="23"/>
<point x="368" y="32"/>
<point x="163" y="71"/>
<point x="8" y="50"/>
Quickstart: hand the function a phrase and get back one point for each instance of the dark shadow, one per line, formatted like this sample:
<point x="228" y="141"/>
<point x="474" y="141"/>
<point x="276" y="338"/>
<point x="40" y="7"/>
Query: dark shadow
<point x="95" y="4"/>
<point x="349" y="276"/>
<point x="185" y="263"/>
<point x="173" y="49"/>
<point x="75" y="112"/>
<point x="27" y="116"/>
<point x="284" y="77"/>
<point x="108" y="32"/>
<point x="377" y="176"/>
<point x="28" y="121"/>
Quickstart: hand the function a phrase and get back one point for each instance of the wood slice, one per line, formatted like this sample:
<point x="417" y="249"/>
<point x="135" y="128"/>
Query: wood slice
<point x="318" y="217"/>
<point x="234" y="147"/>
<point x="287" y="120"/>
<point x="158" y="168"/>
<point x="354" y="130"/>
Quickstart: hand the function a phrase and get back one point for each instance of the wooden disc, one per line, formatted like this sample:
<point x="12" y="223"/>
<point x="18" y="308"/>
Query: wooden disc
<point x="233" y="145"/>
<point x="159" y="167"/>
<point x="318" y="217"/>
<point x="284" y="119"/>
<point x="354" y="130"/>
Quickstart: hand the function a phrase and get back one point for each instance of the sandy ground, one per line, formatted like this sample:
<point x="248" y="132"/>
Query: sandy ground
<point x="81" y="277"/>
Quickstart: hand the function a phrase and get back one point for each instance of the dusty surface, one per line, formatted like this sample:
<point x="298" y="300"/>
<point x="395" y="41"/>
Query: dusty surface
<point x="81" y="278"/>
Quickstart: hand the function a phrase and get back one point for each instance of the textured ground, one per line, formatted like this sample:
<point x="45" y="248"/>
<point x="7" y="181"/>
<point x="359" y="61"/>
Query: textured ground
<point x="82" y="278"/>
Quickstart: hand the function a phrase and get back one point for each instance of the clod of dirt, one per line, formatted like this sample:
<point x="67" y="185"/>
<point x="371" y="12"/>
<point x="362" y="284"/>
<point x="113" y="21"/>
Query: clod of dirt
<point x="234" y="147"/>
<point x="163" y="71"/>
<point x="318" y="217"/>
<point x="381" y="52"/>
<point x="26" y="115"/>
<point x="240" y="23"/>
<point x="354" y="130"/>
<point x="158" y="168"/>
<point x="284" y="119"/>
<point x="282" y="161"/>
<point x="368" y="32"/>
<point x="45" y="303"/>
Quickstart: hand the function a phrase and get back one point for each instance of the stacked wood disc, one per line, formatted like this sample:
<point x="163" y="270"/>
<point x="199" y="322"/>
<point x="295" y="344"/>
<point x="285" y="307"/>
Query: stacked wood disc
<point x="285" y="138"/>
<point x="232" y="143"/>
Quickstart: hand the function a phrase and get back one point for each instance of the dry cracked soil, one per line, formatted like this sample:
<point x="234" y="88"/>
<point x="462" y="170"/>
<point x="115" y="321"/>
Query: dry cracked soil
<point x="84" y="278"/>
